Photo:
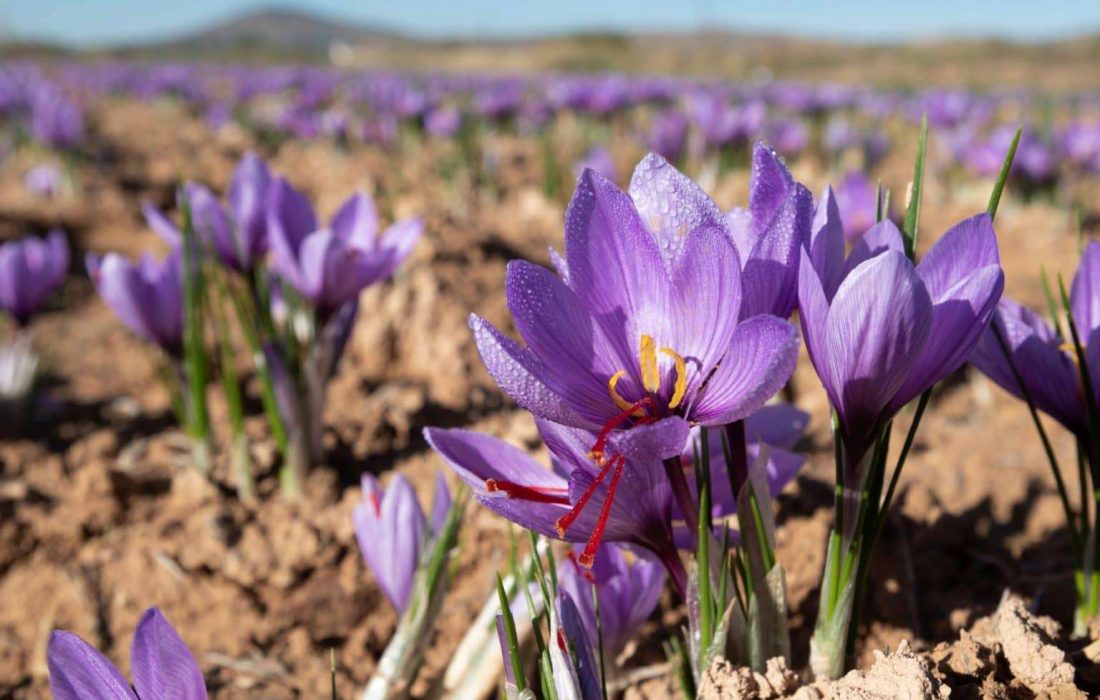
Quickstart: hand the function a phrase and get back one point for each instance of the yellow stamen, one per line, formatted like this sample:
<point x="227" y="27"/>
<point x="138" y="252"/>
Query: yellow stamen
<point x="651" y="376"/>
<point x="1069" y="348"/>
<point x="681" y="377"/>
<point x="622" y="403"/>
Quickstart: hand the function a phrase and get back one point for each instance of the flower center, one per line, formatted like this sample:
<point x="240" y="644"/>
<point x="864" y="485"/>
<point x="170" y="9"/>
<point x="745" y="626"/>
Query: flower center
<point x="651" y="375"/>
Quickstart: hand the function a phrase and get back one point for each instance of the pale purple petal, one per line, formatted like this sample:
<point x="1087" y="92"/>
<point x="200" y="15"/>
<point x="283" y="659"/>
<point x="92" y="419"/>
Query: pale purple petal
<point x="761" y="358"/>
<point x="1085" y="293"/>
<point x="161" y="225"/>
<point x="770" y="276"/>
<point x="390" y="535"/>
<point x="780" y="425"/>
<point x="161" y="663"/>
<point x="247" y="201"/>
<point x="968" y="246"/>
<point x="827" y="243"/>
<point x="79" y="672"/>
<point x="356" y="222"/>
<point x="880" y="238"/>
<point x="441" y="504"/>
<point x="290" y="219"/>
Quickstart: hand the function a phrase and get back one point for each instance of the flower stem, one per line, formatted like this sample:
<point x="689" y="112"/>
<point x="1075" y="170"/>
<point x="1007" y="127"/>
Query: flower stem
<point x="682" y="492"/>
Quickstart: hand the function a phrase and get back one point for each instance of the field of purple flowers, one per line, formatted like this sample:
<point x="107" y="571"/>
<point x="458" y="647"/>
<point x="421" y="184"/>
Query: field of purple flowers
<point x="321" y="383"/>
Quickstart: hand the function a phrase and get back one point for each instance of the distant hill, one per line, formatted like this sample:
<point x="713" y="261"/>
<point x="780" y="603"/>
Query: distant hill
<point x="277" y="32"/>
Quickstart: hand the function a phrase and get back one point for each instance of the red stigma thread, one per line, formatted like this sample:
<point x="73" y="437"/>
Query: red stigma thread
<point x="588" y="556"/>
<point x="596" y="452"/>
<point x="372" y="498"/>
<point x="566" y="521"/>
<point x="535" y="494"/>
<point x="583" y="571"/>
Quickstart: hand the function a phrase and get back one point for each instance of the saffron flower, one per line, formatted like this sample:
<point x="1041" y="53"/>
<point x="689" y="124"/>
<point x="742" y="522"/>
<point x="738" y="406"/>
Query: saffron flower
<point x="162" y="666"/>
<point x="577" y="501"/>
<point x="30" y="270"/>
<point x="330" y="266"/>
<point x="770" y="235"/>
<point x="392" y="532"/>
<point x="628" y="593"/>
<point x="1044" y="359"/>
<point x="881" y="330"/>
<point x="855" y="199"/>
<point x="146" y="296"/>
<point x="238" y="235"/>
<point x="640" y="326"/>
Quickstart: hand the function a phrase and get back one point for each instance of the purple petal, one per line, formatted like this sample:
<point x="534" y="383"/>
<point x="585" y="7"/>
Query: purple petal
<point x="958" y="321"/>
<point x="521" y="375"/>
<point x="290" y="219"/>
<point x="441" y="504"/>
<point x="212" y="225"/>
<point x="475" y="458"/>
<point x="357" y="221"/>
<point x="1085" y="292"/>
<point x="761" y="358"/>
<point x="780" y="425"/>
<point x="247" y="202"/>
<point x="769" y="185"/>
<point x="882" y="237"/>
<point x="79" y="672"/>
<point x="397" y="242"/>
<point x="876" y="329"/>
<point x="967" y="247"/>
<point x="390" y="535"/>
<point x="813" y="313"/>
<point x="161" y="225"/>
<point x="771" y="273"/>
<point x="162" y="665"/>
<point x="670" y="204"/>
<point x="739" y="223"/>
<point x="827" y="243"/>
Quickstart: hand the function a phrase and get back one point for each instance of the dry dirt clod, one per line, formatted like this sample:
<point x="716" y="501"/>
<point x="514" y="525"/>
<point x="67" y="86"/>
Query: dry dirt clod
<point x="1034" y="660"/>
<point x="901" y="675"/>
<point x="722" y="680"/>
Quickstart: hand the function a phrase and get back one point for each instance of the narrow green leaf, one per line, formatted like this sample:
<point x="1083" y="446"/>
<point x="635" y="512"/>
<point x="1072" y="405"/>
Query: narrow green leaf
<point x="912" y="215"/>
<point x="1002" y="177"/>
<point x="510" y="635"/>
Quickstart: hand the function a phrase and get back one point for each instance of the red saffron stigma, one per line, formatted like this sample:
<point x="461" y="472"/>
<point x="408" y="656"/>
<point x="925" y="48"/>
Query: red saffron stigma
<point x="561" y="641"/>
<point x="596" y="452"/>
<point x="588" y="556"/>
<point x="535" y="494"/>
<point x="372" y="497"/>
<point x="566" y="521"/>
<point x="583" y="571"/>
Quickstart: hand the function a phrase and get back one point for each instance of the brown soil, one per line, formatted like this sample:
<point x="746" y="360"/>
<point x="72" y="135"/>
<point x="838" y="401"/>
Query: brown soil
<point x="100" y="516"/>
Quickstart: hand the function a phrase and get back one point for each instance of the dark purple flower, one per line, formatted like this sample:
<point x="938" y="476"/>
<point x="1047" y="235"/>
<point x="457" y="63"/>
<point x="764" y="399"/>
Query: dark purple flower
<point x="330" y="266"/>
<point x="1044" y="359"/>
<point x="628" y="593"/>
<point x="392" y="532"/>
<point x="146" y="296"/>
<point x="880" y="330"/>
<point x="162" y="666"/>
<point x="642" y="323"/>
<point x="628" y="501"/>
<point x="56" y="121"/>
<point x="30" y="269"/>
<point x="770" y="235"/>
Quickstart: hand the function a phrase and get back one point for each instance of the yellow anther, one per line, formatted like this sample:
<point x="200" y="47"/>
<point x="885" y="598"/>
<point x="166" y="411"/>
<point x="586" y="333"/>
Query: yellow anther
<point x="1070" y="349"/>
<point x="651" y="376"/>
<point x="622" y="403"/>
<point x="681" y="377"/>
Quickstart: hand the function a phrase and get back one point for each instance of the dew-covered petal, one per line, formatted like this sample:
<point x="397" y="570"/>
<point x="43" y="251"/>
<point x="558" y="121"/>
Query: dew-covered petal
<point x="827" y="243"/>
<point x="670" y="204"/>
<point x="770" y="279"/>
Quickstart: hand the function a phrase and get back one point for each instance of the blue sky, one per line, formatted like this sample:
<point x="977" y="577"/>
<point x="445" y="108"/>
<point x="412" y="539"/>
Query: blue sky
<point x="97" y="22"/>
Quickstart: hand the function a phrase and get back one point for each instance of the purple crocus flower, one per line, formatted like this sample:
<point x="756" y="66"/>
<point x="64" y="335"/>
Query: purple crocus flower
<point x="628" y="593"/>
<point x="330" y="266"/>
<point x="162" y="665"/>
<point x="599" y="160"/>
<point x="573" y="501"/>
<point x="239" y="235"/>
<point x="392" y="532"/>
<point x="668" y="134"/>
<point x="146" y="296"/>
<point x="443" y="122"/>
<point x="1044" y="360"/>
<point x="573" y="665"/>
<point x="30" y="269"/>
<point x="640" y="326"/>
<point x="881" y="330"/>
<point x="44" y="180"/>
<point x="769" y="236"/>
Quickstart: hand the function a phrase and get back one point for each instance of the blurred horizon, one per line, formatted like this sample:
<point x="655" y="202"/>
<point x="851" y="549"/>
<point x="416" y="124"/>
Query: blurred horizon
<point x="105" y="24"/>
